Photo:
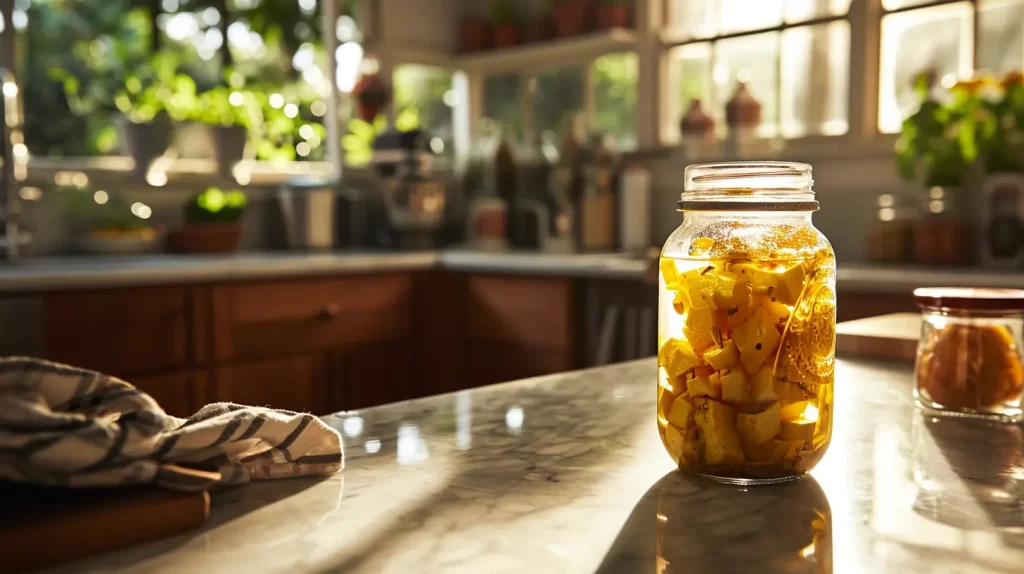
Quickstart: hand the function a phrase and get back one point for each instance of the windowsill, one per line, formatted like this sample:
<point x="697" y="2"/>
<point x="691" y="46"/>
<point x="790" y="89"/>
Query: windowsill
<point x="166" y="172"/>
<point x="811" y="148"/>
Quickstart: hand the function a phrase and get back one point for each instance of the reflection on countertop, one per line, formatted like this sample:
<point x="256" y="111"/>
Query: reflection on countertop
<point x="566" y="473"/>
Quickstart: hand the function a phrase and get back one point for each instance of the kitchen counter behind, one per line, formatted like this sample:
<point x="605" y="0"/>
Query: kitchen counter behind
<point x="83" y="272"/>
<point x="566" y="473"/>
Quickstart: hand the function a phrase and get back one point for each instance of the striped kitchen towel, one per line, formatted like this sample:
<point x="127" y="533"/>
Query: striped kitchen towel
<point x="71" y="427"/>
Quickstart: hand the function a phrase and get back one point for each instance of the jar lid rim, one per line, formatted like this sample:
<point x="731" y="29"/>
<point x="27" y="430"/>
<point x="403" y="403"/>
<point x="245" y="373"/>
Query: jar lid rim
<point x="970" y="298"/>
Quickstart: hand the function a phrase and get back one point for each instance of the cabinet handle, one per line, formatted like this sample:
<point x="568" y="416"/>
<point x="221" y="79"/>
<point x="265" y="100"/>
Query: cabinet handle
<point x="329" y="312"/>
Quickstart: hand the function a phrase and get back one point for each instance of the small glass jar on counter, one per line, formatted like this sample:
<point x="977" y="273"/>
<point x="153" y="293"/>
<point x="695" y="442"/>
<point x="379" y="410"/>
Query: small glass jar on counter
<point x="746" y="326"/>
<point x="969" y="356"/>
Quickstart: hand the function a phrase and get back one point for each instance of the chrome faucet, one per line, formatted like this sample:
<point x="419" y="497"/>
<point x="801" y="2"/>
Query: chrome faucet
<point x="15" y="164"/>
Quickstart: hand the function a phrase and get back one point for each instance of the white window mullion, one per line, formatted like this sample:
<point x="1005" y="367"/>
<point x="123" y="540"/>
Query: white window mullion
<point x="865" y="41"/>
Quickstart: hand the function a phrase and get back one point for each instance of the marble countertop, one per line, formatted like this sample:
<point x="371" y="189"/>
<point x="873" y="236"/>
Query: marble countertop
<point x="566" y="473"/>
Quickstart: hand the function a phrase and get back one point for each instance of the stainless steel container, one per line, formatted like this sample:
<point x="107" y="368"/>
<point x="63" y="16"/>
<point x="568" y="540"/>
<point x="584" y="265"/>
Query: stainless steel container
<point x="308" y="210"/>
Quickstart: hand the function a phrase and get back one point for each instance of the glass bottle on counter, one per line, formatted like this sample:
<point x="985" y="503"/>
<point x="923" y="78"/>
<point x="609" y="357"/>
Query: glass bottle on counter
<point x="746" y="328"/>
<point x="567" y="187"/>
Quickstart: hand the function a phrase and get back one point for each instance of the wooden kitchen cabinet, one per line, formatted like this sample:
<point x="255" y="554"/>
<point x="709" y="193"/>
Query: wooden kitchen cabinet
<point x="377" y="374"/>
<point x="278" y="318"/>
<point x="519" y="327"/>
<point x="180" y="394"/>
<point x="123" y="332"/>
<point x="295" y="384"/>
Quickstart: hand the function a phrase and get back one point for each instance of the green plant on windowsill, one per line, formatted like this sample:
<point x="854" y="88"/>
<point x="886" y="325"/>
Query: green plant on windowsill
<point x="113" y="215"/>
<point x="216" y="206"/>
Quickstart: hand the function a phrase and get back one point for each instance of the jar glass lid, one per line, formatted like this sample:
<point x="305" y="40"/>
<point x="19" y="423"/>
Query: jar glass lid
<point x="761" y="185"/>
<point x="970" y="299"/>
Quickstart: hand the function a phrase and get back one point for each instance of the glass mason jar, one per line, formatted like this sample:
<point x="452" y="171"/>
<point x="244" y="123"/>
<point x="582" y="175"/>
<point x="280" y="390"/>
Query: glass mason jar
<point x="746" y="325"/>
<point x="969" y="355"/>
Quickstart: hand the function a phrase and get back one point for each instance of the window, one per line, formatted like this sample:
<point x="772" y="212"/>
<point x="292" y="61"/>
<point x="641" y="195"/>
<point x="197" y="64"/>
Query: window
<point x="794" y="56"/>
<point x="604" y="92"/>
<point x="79" y="60"/>
<point x="941" y="39"/>
<point x="424" y="98"/>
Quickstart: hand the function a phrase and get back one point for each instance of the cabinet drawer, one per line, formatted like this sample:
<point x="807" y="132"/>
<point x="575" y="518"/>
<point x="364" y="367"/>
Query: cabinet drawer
<point x="287" y="317"/>
<point x="122" y="332"/>
<point x="523" y="311"/>
<point x="295" y="384"/>
<point x="180" y="394"/>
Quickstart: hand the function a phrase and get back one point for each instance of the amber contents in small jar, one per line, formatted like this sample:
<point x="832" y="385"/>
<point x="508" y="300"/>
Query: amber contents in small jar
<point x="969" y="357"/>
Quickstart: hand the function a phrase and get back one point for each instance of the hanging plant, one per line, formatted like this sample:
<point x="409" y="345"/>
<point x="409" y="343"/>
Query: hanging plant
<point x="372" y="95"/>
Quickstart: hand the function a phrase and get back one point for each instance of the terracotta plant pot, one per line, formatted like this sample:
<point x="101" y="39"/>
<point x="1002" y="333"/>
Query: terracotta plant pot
<point x="476" y="35"/>
<point x="371" y="95"/>
<point x="206" y="238"/>
<point x="506" y="35"/>
<point x="539" y="29"/>
<point x="942" y="242"/>
<point x="613" y="16"/>
<point x="572" y="17"/>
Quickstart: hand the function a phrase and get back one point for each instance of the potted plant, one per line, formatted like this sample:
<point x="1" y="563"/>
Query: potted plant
<point x="212" y="223"/>
<point x="475" y="30"/>
<point x="538" y="26"/>
<point x="105" y="224"/>
<point x="506" y="31"/>
<point x="613" y="14"/>
<point x="372" y="95"/>
<point x="937" y="149"/>
<point x="226" y="123"/>
<point x="572" y="17"/>
<point x="144" y="129"/>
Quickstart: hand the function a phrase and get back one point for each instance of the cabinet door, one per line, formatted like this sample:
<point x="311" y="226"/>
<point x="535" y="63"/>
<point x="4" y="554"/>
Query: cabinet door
<point x="378" y="374"/>
<point x="519" y="327"/>
<point x="122" y="332"/>
<point x="294" y="384"/>
<point x="294" y="317"/>
<point x="180" y="394"/>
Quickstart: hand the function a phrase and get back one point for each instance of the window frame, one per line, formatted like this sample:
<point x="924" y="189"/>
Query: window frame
<point x="672" y="39"/>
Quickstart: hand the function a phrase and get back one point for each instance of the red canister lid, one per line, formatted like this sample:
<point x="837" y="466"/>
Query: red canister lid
<point x="970" y="299"/>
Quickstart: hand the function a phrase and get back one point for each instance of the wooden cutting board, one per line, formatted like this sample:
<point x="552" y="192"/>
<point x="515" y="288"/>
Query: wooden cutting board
<point x="892" y="336"/>
<point x="42" y="527"/>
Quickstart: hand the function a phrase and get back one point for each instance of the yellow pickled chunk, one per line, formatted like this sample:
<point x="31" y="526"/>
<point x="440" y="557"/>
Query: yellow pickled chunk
<point x="700" y="340"/>
<point x="734" y="386"/>
<point x="699" y="286"/>
<point x="681" y="413"/>
<point x="773" y="451"/>
<point x="693" y="444"/>
<point x="792" y="283"/>
<point x="670" y="273"/>
<point x="703" y="387"/>
<point x="665" y="400"/>
<point x="700" y="320"/>
<point x="677" y="357"/>
<point x="718" y="426"/>
<point x="761" y="427"/>
<point x="789" y="393"/>
<point x="762" y="281"/>
<point x="793" y="411"/>
<point x="679" y="302"/>
<point x="674" y="441"/>
<point x="762" y="384"/>
<point x="800" y="429"/>
<point x="722" y="358"/>
<point x="776" y="310"/>
<point x="756" y="339"/>
<point x="674" y="385"/>
<point x="725" y="289"/>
